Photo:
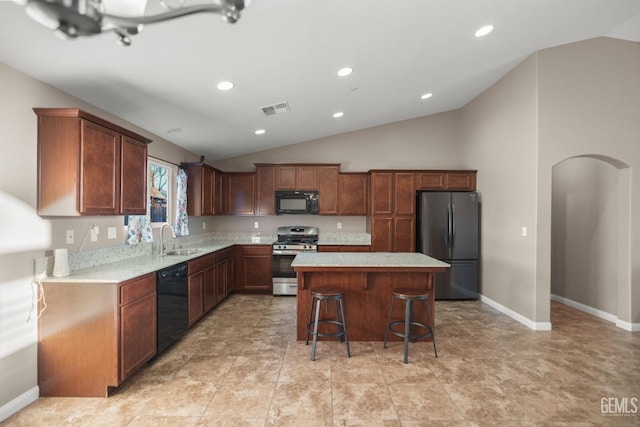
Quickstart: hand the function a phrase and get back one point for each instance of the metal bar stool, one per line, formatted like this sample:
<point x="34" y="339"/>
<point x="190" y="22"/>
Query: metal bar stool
<point x="409" y="296"/>
<point x="326" y="294"/>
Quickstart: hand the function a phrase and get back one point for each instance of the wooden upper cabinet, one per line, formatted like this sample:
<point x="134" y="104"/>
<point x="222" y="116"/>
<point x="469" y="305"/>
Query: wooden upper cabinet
<point x="382" y="193"/>
<point x="265" y="190"/>
<point x="285" y="177"/>
<point x="204" y="190"/>
<point x="133" y="183"/>
<point x="302" y="176"/>
<point x="464" y="180"/>
<point x="446" y="180"/>
<point x="352" y="193"/>
<point x="404" y="193"/>
<point x="99" y="169"/>
<point x="240" y="190"/>
<point x="89" y="166"/>
<point x="328" y="190"/>
<point x="307" y="178"/>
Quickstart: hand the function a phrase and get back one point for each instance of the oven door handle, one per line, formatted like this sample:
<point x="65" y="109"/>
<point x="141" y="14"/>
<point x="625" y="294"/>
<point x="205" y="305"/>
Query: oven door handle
<point x="286" y="252"/>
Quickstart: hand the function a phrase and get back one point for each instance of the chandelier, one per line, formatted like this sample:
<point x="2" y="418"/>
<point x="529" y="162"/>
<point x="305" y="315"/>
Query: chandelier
<point x="79" y="18"/>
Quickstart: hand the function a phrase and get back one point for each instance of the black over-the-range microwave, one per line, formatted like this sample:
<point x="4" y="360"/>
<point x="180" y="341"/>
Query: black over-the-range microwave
<point x="296" y="202"/>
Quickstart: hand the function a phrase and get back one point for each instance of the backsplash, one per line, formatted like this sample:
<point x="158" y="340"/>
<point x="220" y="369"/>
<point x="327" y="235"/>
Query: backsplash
<point x="89" y="259"/>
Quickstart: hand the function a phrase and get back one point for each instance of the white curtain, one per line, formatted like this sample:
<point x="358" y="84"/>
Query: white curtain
<point x="181" y="226"/>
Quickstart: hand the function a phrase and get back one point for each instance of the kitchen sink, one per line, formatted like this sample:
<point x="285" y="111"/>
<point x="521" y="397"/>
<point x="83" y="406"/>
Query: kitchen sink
<point x="182" y="252"/>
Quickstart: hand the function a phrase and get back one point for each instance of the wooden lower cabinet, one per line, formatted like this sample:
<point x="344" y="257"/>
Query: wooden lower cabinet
<point x="224" y="273"/>
<point x="93" y="336"/>
<point x="393" y="234"/>
<point x="253" y="270"/>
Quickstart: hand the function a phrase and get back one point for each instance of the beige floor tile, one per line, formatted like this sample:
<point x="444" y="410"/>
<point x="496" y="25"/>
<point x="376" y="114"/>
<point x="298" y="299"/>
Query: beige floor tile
<point x="241" y="366"/>
<point x="362" y="401"/>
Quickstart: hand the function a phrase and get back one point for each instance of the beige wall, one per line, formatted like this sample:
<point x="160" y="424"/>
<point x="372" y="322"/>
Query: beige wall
<point x="498" y="132"/>
<point x="589" y="96"/>
<point x="428" y="142"/>
<point x="18" y="133"/>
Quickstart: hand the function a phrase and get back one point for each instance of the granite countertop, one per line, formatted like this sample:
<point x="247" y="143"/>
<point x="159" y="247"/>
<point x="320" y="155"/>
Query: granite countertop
<point x="117" y="268"/>
<point x="366" y="259"/>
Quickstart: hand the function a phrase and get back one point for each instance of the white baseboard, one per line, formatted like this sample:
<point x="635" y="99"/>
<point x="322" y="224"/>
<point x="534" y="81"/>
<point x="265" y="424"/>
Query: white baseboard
<point x="627" y="326"/>
<point x="536" y="326"/>
<point x="20" y="402"/>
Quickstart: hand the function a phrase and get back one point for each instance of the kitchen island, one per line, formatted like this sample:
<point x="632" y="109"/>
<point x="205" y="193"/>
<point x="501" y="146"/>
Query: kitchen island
<point x="367" y="280"/>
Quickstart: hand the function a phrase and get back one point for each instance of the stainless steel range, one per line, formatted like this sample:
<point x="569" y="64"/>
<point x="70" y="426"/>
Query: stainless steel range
<point x="291" y="241"/>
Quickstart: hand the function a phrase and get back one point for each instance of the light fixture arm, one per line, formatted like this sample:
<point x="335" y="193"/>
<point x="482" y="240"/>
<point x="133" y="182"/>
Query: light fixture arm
<point x="77" y="18"/>
<point x="230" y="11"/>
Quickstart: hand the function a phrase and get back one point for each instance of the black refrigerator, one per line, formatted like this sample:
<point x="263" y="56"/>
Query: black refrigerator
<point x="448" y="229"/>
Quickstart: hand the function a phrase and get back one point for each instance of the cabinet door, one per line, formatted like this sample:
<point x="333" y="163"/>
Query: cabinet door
<point x="430" y="181"/>
<point x="255" y="269"/>
<point x="208" y="191"/>
<point x="382" y="234"/>
<point x="352" y="193"/>
<point x="195" y="296"/>
<point x="307" y="178"/>
<point x="404" y="236"/>
<point x="133" y="182"/>
<point x="381" y="193"/>
<point x="209" y="291"/>
<point x="328" y="190"/>
<point x="461" y="181"/>
<point x="241" y="190"/>
<point x="99" y="169"/>
<point x="285" y="177"/>
<point x="137" y="334"/>
<point x="265" y="190"/>
<point x="404" y="193"/>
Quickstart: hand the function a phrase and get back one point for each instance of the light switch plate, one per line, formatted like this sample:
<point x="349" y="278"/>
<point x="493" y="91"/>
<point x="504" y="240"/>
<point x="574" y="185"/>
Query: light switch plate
<point x="111" y="233"/>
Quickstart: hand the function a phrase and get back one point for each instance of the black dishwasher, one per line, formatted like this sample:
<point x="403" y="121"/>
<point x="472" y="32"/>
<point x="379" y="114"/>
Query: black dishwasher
<point x="173" y="305"/>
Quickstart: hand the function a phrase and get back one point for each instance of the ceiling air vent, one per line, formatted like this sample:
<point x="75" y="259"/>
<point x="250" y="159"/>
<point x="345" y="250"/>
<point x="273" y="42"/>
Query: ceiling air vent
<point x="279" y="108"/>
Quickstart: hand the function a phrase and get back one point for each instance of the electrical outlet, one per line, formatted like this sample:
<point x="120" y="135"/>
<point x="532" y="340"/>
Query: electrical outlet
<point x="70" y="237"/>
<point x="256" y="225"/>
<point x="95" y="230"/>
<point x="111" y="233"/>
<point x="204" y="225"/>
<point x="339" y="226"/>
<point x="524" y="231"/>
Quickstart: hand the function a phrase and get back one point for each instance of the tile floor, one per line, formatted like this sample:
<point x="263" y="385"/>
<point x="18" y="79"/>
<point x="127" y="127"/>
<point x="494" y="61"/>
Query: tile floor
<point x="241" y="366"/>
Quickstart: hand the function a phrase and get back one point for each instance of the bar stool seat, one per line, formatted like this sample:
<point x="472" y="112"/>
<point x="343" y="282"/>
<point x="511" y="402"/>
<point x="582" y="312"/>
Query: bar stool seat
<point x="327" y="294"/>
<point x="409" y="296"/>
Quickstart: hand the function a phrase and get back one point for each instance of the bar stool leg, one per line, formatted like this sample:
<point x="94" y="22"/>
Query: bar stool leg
<point x="344" y="326"/>
<point x="310" y="317"/>
<point x="386" y="332"/>
<point x="431" y="328"/>
<point x="407" y="329"/>
<point x="315" y="329"/>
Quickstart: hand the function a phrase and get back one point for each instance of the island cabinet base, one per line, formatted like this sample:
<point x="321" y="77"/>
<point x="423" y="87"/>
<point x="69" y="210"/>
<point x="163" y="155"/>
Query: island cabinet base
<point x="367" y="299"/>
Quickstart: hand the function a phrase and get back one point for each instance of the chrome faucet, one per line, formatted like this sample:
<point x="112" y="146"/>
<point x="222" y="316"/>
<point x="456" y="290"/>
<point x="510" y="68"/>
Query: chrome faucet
<point x="173" y="234"/>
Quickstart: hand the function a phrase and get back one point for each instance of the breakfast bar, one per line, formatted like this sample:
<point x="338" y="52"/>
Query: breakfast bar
<point x="367" y="280"/>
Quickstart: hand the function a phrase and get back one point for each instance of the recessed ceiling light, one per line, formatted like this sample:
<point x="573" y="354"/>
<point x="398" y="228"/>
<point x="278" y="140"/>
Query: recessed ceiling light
<point x="260" y="132"/>
<point x="484" y="30"/>
<point x="224" y="85"/>
<point x="426" y="96"/>
<point x="343" y="72"/>
<point x="338" y="115"/>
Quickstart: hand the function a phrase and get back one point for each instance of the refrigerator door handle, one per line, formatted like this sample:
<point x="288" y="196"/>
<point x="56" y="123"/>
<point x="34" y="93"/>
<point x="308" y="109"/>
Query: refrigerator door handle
<point x="449" y="230"/>
<point x="453" y="225"/>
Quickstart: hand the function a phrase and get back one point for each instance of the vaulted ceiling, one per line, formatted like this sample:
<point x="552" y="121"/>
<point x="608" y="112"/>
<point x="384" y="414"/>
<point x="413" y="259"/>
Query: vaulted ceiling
<point x="289" y="51"/>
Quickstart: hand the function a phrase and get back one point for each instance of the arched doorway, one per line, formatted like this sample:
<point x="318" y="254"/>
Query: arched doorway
<point x="590" y="235"/>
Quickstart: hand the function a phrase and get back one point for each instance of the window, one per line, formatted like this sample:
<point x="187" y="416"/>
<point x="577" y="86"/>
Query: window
<point x="161" y="191"/>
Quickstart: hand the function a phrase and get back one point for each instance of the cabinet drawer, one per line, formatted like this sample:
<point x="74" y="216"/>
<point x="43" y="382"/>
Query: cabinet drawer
<point x="256" y="250"/>
<point x="137" y="288"/>
<point x="224" y="254"/>
<point x="201" y="263"/>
